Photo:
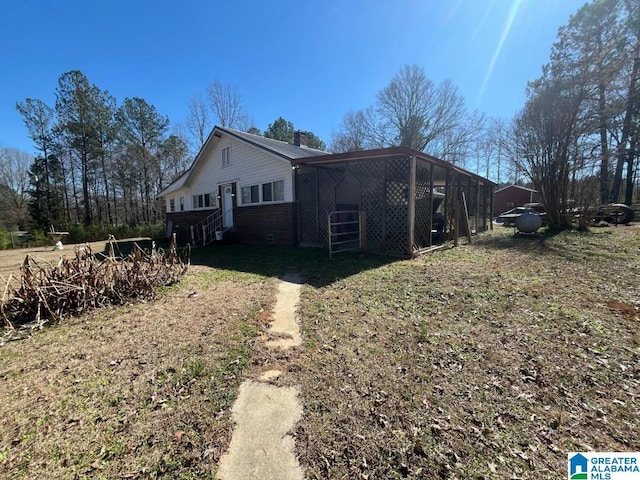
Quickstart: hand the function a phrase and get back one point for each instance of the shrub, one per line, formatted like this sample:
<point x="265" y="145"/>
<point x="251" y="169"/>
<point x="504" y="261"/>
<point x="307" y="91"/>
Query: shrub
<point x="93" y="233"/>
<point x="5" y="240"/>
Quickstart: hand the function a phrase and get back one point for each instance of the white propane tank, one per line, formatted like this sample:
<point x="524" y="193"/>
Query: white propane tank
<point x="528" y="222"/>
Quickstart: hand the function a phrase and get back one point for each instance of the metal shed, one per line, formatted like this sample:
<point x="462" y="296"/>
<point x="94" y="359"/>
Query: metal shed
<point x="407" y="201"/>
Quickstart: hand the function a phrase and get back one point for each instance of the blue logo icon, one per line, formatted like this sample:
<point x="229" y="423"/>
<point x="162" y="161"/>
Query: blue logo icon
<point x="578" y="465"/>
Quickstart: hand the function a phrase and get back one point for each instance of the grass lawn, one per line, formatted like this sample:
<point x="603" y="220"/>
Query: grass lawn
<point x="141" y="391"/>
<point x="492" y="360"/>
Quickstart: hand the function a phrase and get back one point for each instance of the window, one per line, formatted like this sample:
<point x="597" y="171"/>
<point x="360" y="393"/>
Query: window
<point x="266" y="192"/>
<point x="182" y="204"/>
<point x="278" y="191"/>
<point x="250" y="194"/>
<point x="172" y="205"/>
<point x="226" y="156"/>
<point x="207" y="200"/>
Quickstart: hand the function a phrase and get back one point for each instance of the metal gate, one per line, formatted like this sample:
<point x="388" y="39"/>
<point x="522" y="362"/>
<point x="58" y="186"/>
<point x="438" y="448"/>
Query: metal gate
<point x="345" y="231"/>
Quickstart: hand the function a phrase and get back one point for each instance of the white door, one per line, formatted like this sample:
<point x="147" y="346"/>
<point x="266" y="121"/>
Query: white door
<point x="227" y="206"/>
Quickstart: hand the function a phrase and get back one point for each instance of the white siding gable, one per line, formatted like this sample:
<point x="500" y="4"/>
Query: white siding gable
<point x="247" y="165"/>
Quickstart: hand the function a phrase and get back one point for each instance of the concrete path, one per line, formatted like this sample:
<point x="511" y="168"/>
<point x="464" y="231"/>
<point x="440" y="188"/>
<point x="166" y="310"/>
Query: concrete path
<point x="261" y="447"/>
<point x="284" y="318"/>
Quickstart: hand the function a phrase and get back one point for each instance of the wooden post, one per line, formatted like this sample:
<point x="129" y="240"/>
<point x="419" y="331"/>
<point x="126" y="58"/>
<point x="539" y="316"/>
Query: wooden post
<point x="431" y="205"/>
<point x="478" y="207"/>
<point x="456" y="213"/>
<point x="466" y="217"/>
<point x="490" y="207"/>
<point x="447" y="196"/>
<point x="412" y="204"/>
<point x="363" y="229"/>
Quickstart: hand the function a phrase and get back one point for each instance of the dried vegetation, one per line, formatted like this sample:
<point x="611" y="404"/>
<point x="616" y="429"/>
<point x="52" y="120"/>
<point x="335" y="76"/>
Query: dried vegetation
<point x="139" y="391"/>
<point x="45" y="291"/>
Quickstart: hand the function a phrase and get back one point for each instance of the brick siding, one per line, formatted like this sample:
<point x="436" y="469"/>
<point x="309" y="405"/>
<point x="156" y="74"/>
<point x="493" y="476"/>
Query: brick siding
<point x="182" y="222"/>
<point x="266" y="224"/>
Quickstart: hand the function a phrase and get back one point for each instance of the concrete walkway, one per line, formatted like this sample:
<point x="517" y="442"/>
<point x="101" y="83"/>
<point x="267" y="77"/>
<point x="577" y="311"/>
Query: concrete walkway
<point x="261" y="447"/>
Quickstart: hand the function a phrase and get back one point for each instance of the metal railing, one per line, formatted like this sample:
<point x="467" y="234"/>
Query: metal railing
<point x="204" y="232"/>
<point x="345" y="229"/>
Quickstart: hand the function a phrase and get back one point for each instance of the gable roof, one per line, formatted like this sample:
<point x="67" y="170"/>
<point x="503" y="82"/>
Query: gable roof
<point x="278" y="148"/>
<point x="282" y="149"/>
<point x="520" y="187"/>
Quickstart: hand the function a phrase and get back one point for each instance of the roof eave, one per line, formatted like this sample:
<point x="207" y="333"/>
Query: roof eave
<point x="386" y="152"/>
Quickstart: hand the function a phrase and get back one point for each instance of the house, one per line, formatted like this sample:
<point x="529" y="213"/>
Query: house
<point x="240" y="185"/>
<point x="513" y="196"/>
<point x="257" y="190"/>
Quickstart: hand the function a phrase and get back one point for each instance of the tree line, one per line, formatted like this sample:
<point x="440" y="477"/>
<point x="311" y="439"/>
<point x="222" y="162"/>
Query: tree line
<point x="575" y="140"/>
<point x="577" y="135"/>
<point x="97" y="162"/>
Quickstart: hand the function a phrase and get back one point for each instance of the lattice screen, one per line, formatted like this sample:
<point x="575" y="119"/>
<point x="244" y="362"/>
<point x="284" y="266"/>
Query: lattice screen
<point x="422" y="229"/>
<point x="385" y="199"/>
<point x="306" y="186"/>
<point x="396" y="239"/>
<point x="371" y="175"/>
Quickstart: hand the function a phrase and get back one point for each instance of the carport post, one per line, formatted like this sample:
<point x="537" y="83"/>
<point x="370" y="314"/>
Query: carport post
<point x="412" y="203"/>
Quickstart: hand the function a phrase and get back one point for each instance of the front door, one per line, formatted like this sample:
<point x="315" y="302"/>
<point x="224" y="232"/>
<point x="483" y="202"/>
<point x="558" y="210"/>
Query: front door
<point x="227" y="206"/>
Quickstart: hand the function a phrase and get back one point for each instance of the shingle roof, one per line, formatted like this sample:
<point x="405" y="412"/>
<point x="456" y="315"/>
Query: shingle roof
<point x="282" y="149"/>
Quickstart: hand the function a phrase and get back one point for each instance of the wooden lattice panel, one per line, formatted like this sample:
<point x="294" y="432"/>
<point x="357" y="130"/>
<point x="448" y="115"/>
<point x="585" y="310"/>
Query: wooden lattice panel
<point x="371" y="175"/>
<point x="306" y="185"/>
<point x="423" y="213"/>
<point x="397" y="206"/>
<point x="327" y="181"/>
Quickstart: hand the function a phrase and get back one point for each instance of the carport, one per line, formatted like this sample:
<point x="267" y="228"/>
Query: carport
<point x="406" y="201"/>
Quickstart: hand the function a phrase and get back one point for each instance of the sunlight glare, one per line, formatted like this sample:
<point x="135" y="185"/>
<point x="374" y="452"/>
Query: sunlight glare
<point x="505" y="33"/>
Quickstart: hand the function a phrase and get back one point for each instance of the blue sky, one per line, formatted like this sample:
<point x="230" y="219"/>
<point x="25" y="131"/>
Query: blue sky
<point x="307" y="61"/>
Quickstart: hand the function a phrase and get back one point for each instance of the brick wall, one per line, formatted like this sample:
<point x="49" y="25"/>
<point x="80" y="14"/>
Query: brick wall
<point x="182" y="222"/>
<point x="266" y="224"/>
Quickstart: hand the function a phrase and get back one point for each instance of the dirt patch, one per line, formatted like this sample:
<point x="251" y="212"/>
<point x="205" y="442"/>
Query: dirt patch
<point x="142" y="391"/>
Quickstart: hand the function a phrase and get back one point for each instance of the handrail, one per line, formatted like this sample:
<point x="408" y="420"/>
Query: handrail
<point x="204" y="232"/>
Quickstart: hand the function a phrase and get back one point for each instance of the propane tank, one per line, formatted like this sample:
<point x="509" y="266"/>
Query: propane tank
<point x="528" y="222"/>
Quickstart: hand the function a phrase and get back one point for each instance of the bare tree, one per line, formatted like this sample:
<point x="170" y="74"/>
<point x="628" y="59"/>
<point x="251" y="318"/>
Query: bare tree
<point x="14" y="186"/>
<point x="359" y="130"/>
<point x="420" y="114"/>
<point x="414" y="112"/>
<point x="198" y="122"/>
<point x="226" y="104"/>
<point x="544" y="139"/>
<point x="628" y="145"/>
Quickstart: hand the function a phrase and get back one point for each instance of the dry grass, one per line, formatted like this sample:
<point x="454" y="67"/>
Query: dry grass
<point x="141" y="391"/>
<point x="489" y="361"/>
